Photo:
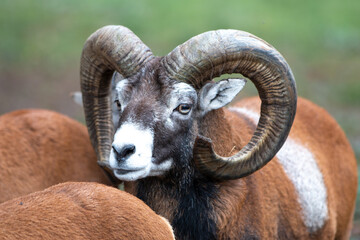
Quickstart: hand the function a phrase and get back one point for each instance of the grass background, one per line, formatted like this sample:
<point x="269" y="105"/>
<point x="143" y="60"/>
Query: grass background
<point x="41" y="43"/>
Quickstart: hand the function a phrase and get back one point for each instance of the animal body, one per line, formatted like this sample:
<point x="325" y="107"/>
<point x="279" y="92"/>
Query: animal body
<point x="218" y="173"/>
<point x="81" y="211"/>
<point x="41" y="148"/>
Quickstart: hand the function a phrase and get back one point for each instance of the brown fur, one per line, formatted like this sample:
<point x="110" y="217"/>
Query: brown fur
<point x="40" y="148"/>
<point x="264" y="204"/>
<point x="81" y="211"/>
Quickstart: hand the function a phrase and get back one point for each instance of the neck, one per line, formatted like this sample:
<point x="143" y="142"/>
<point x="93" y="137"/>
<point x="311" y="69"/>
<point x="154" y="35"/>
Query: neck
<point x="185" y="197"/>
<point x="216" y="127"/>
<point x="188" y="204"/>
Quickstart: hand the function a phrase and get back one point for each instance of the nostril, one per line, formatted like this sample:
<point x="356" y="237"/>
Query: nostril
<point x="127" y="150"/>
<point x="124" y="152"/>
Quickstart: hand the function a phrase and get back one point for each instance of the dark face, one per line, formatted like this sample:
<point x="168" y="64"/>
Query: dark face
<point x="156" y="123"/>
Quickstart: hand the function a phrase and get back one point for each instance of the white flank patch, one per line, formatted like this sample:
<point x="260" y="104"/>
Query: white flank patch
<point x="302" y="169"/>
<point x="140" y="164"/>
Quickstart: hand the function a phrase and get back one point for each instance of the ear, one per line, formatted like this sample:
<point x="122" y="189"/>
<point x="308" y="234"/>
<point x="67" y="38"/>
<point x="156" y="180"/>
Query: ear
<point x="216" y="95"/>
<point x="116" y="78"/>
<point x="77" y="98"/>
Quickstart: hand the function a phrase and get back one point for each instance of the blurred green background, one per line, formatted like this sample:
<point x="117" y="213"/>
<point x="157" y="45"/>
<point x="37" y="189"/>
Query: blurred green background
<point x="41" y="43"/>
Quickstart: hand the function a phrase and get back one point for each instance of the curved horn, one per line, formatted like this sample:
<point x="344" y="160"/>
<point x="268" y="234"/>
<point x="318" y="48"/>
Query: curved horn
<point x="214" y="53"/>
<point x="109" y="49"/>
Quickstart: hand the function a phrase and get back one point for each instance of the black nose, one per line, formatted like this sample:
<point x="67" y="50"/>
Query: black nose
<point x="125" y="152"/>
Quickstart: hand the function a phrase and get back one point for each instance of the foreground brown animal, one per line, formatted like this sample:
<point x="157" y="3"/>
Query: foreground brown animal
<point x="218" y="173"/>
<point x="81" y="211"/>
<point x="41" y="148"/>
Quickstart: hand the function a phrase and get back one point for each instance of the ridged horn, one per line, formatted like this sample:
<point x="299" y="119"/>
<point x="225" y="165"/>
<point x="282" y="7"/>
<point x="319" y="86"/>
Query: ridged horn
<point x="109" y="49"/>
<point x="214" y="53"/>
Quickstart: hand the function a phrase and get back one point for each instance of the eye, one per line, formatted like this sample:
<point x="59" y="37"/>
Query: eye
<point x="118" y="104"/>
<point x="184" y="108"/>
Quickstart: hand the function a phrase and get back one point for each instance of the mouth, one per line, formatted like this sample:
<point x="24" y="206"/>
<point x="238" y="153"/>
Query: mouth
<point x="130" y="174"/>
<point x="125" y="171"/>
